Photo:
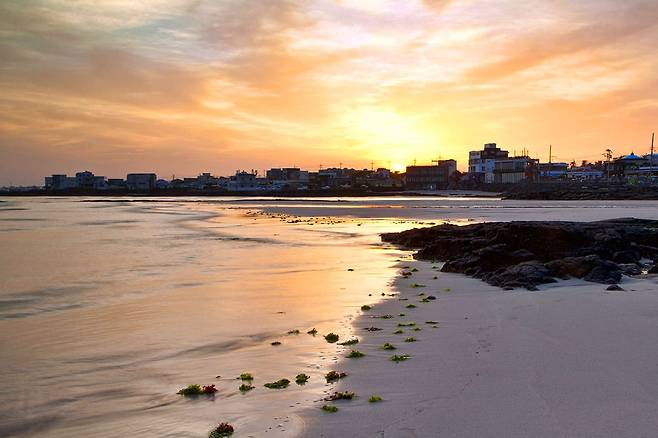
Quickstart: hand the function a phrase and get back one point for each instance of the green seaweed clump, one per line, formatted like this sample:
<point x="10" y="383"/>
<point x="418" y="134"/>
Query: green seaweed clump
<point x="410" y="306"/>
<point x="447" y="289"/>
<point x="375" y="399"/>
<point x="328" y="408"/>
<point x="349" y="342"/>
<point x="388" y="346"/>
<point x="279" y="384"/>
<point x="312" y="332"/>
<point x="365" y="307"/>
<point x="400" y="357"/>
<point x="246" y="387"/>
<point x="332" y="376"/>
<point x="424" y="300"/>
<point x="354" y="354"/>
<point x="191" y="391"/>
<point x="417" y="329"/>
<point x="398" y="332"/>
<point x="302" y="378"/>
<point x="388" y="316"/>
<point x="246" y="376"/>
<point x="410" y="339"/>
<point x="293" y="332"/>
<point x="417" y="285"/>
<point x="431" y="322"/>
<point x="331" y="338"/>
<point x="222" y="430"/>
<point x="340" y="396"/>
<point x="406" y="324"/>
<point x="402" y="314"/>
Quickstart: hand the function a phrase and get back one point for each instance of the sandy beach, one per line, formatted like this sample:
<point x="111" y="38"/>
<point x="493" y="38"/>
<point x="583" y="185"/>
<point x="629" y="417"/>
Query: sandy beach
<point x="572" y="360"/>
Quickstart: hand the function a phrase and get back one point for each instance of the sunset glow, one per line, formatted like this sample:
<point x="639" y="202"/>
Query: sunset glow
<point x="185" y="86"/>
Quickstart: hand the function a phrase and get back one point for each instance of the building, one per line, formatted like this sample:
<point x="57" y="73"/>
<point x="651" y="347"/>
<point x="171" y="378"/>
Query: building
<point x="433" y="177"/>
<point x="582" y="173"/>
<point x="143" y="182"/>
<point x="516" y="169"/>
<point x="243" y="181"/>
<point x="287" y="178"/>
<point x="61" y="182"/>
<point x="551" y="171"/>
<point x="628" y="165"/>
<point x="481" y="163"/>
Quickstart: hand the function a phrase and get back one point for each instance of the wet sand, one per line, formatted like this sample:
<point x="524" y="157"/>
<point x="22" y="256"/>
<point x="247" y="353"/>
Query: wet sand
<point x="572" y="360"/>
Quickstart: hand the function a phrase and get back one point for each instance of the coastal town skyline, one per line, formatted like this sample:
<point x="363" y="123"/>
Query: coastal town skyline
<point x="172" y="85"/>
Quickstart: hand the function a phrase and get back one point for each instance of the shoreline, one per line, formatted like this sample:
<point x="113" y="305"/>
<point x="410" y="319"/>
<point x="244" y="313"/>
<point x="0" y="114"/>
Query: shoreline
<point x="570" y="360"/>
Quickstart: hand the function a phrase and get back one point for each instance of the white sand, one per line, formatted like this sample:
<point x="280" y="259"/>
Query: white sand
<point x="572" y="360"/>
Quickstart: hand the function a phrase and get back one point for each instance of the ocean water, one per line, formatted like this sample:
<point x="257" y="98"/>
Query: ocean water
<point x="109" y="306"/>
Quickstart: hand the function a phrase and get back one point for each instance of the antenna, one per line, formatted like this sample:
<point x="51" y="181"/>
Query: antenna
<point x="372" y="165"/>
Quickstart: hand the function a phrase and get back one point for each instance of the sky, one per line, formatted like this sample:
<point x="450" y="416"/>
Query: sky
<point x="181" y="87"/>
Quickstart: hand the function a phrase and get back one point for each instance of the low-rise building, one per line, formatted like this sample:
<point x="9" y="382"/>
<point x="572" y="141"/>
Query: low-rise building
<point x="552" y="171"/>
<point x="142" y="182"/>
<point x="434" y="177"/>
<point x="515" y="170"/>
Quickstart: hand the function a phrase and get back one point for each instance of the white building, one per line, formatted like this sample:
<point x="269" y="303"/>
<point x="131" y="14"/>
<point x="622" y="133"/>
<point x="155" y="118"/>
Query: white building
<point x="481" y="164"/>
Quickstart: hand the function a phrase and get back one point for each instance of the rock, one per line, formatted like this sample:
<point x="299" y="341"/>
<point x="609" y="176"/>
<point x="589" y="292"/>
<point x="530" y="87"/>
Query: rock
<point x="614" y="287"/>
<point x="527" y="254"/>
<point x="630" y="269"/>
<point x="653" y="269"/>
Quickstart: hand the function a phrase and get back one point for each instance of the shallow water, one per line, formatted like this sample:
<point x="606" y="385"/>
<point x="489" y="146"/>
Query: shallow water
<point x="108" y="307"/>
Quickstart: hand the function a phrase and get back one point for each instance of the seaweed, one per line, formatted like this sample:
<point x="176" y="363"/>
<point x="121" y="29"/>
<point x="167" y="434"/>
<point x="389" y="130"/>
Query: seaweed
<point x="301" y="379"/>
<point x="209" y="389"/>
<point x="191" y="390"/>
<point x="410" y="339"/>
<point x="447" y="289"/>
<point x="312" y="332"/>
<point x="417" y="285"/>
<point x="293" y="332"/>
<point x="375" y="399"/>
<point x="372" y="329"/>
<point x="402" y="314"/>
<point x="331" y="338"/>
<point x="279" y="384"/>
<point x="349" y="342"/>
<point x="340" y="396"/>
<point x="400" y="357"/>
<point x="431" y="322"/>
<point x="365" y="307"/>
<point x="388" y="316"/>
<point x="388" y="346"/>
<point x="354" y="354"/>
<point x="246" y="387"/>
<point x="424" y="300"/>
<point x="406" y="324"/>
<point x="410" y="306"/>
<point x="332" y="376"/>
<point x="275" y="343"/>
<point x="414" y="270"/>
<point x="246" y="376"/>
<point x="222" y="430"/>
<point x="328" y="408"/>
<point x="398" y="332"/>
<point x="417" y="329"/>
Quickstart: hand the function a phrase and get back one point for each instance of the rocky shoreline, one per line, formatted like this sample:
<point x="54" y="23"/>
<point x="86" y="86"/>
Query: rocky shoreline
<point x="527" y="254"/>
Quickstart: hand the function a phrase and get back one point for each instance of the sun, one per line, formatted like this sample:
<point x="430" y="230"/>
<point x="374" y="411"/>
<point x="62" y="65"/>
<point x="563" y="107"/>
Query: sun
<point x="384" y="134"/>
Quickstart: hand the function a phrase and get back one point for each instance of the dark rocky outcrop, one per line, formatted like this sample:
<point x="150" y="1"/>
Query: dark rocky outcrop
<point x="527" y="254"/>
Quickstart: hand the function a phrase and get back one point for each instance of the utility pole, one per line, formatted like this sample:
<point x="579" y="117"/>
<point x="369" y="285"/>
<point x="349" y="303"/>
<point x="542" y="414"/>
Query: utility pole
<point x="651" y="158"/>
